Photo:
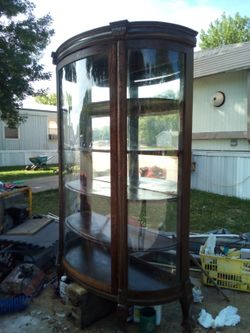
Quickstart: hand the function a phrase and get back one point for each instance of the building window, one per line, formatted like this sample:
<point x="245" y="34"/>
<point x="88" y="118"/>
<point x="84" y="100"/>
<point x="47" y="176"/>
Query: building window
<point x="11" y="133"/>
<point x="52" y="130"/>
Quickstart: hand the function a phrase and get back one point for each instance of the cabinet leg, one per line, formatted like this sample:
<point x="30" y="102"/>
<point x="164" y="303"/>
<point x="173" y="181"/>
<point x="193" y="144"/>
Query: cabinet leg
<point x="186" y="303"/>
<point x="122" y="313"/>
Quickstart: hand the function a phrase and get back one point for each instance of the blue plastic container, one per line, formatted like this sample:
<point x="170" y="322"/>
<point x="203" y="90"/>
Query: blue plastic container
<point x="14" y="304"/>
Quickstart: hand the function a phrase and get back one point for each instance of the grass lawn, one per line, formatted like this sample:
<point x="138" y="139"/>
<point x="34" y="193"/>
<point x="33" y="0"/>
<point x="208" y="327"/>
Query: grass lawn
<point x="8" y="174"/>
<point x="208" y="211"/>
<point x="43" y="202"/>
<point x="46" y="202"/>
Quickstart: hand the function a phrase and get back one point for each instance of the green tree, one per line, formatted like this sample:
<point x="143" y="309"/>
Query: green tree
<point x="226" y="30"/>
<point x="23" y="37"/>
<point x="151" y="126"/>
<point x="48" y="99"/>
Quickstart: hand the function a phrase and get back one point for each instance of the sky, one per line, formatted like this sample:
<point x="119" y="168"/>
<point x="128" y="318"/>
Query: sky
<point x="76" y="16"/>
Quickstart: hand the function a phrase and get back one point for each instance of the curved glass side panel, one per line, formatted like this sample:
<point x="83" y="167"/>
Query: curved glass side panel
<point x="155" y="96"/>
<point x="86" y="155"/>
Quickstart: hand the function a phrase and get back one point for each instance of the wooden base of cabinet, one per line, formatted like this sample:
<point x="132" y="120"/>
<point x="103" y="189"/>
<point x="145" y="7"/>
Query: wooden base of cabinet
<point x="91" y="260"/>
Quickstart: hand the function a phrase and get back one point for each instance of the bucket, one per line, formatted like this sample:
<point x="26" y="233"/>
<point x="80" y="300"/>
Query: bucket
<point x="137" y="313"/>
<point x="148" y="320"/>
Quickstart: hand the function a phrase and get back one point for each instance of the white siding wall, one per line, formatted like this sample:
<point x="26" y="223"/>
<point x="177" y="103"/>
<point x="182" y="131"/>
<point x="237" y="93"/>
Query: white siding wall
<point x="33" y="133"/>
<point x="33" y="139"/>
<point x="232" y="115"/>
<point x="21" y="157"/>
<point x="221" y="167"/>
<point x="225" y="173"/>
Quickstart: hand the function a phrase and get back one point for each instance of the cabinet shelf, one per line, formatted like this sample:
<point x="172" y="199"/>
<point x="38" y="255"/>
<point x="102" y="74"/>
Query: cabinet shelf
<point x="94" y="262"/>
<point x="153" y="106"/>
<point x="97" y="229"/>
<point x="141" y="151"/>
<point x="147" y="189"/>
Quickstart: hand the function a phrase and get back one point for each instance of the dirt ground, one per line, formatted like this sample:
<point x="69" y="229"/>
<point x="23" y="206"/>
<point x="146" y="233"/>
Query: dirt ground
<point x="47" y="314"/>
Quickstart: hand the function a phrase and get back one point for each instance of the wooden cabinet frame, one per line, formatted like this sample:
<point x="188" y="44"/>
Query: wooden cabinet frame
<point x="116" y="39"/>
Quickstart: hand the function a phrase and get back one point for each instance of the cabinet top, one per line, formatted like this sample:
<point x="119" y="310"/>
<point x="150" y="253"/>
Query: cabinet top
<point x="125" y="30"/>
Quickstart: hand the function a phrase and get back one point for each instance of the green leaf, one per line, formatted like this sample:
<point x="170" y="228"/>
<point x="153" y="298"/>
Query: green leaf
<point x="226" y="30"/>
<point x="23" y="39"/>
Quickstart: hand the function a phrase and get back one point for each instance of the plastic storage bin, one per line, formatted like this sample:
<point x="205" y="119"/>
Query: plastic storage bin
<point x="225" y="271"/>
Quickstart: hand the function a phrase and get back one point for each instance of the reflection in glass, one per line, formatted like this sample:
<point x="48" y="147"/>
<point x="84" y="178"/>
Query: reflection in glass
<point x="86" y="125"/>
<point x="155" y="94"/>
<point x="82" y="83"/>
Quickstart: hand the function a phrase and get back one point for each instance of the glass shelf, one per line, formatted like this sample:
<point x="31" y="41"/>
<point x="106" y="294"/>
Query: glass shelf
<point x="96" y="228"/>
<point x="94" y="262"/>
<point x="148" y="189"/>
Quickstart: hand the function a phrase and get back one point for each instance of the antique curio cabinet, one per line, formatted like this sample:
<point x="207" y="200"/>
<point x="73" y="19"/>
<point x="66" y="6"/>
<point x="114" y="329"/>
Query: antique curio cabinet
<point x="125" y="117"/>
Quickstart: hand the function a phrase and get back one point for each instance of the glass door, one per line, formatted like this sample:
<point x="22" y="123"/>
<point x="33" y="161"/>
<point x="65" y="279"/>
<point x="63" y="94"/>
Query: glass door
<point x="154" y="145"/>
<point x="85" y="110"/>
